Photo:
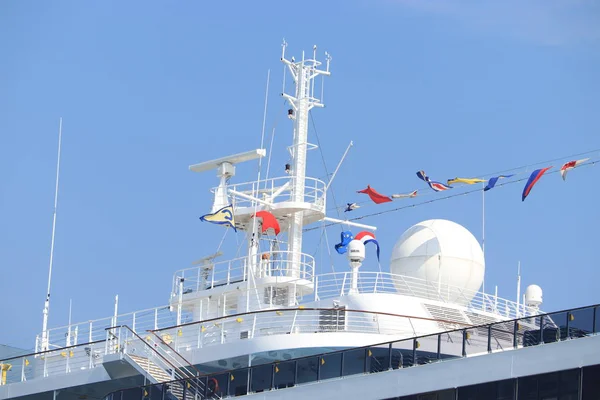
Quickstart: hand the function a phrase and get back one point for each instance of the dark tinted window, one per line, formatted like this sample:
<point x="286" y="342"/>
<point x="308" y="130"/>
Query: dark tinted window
<point x="591" y="383"/>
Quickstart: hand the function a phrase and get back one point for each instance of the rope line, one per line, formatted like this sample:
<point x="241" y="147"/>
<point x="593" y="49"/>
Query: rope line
<point x="442" y="198"/>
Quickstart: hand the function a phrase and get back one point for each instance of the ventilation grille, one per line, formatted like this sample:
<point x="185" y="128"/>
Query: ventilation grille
<point x="447" y="318"/>
<point x="277" y="296"/>
<point x="332" y="320"/>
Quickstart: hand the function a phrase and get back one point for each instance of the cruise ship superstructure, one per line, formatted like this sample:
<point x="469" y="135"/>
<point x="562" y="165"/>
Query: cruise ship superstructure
<point x="270" y="305"/>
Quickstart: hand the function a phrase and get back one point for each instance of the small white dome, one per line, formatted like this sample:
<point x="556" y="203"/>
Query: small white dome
<point x="533" y="296"/>
<point x="445" y="255"/>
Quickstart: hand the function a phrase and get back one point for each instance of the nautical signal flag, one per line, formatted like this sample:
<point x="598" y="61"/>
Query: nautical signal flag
<point x="569" y="166"/>
<point x="268" y="222"/>
<point x="375" y="196"/>
<point x="492" y="181"/>
<point x="367" y="237"/>
<point x="468" y="181"/>
<point x="342" y="246"/>
<point x="351" y="206"/>
<point x="436" y="186"/>
<point x="405" y="196"/>
<point x="224" y="216"/>
<point x="533" y="179"/>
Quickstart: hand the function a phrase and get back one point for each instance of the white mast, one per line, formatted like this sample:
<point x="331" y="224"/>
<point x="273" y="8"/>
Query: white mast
<point x="303" y="72"/>
<point x="47" y="302"/>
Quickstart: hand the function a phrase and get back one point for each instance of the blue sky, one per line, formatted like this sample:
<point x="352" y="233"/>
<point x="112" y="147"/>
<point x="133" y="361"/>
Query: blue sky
<point x="146" y="88"/>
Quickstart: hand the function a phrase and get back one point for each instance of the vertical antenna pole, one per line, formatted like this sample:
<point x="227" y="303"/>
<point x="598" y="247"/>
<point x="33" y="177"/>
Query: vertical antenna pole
<point x="518" y="287"/>
<point x="69" y="331"/>
<point x="483" y="231"/>
<point x="47" y="302"/>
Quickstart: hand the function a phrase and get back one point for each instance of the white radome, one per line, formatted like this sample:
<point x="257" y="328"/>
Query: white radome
<point x="533" y="296"/>
<point x="443" y="253"/>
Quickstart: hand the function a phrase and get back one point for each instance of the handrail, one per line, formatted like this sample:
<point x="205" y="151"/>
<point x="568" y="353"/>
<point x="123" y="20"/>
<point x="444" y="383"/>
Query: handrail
<point x="176" y="352"/>
<point x="569" y="312"/>
<point x="187" y="374"/>
<point x="271" y="310"/>
<point x="143" y="341"/>
<point x="41" y="353"/>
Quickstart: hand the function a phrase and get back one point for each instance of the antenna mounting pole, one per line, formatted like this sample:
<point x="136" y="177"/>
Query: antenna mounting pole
<point x="302" y="101"/>
<point x="47" y="302"/>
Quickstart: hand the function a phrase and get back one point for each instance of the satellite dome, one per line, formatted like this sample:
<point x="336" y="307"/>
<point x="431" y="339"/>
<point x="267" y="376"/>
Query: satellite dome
<point x="445" y="255"/>
<point x="533" y="296"/>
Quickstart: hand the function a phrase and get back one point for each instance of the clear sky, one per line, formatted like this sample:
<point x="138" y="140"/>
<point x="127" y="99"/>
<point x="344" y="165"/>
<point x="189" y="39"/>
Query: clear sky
<point x="146" y="88"/>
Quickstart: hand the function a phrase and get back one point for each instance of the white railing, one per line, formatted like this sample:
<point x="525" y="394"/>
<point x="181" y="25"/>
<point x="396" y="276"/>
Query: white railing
<point x="338" y="284"/>
<point x="240" y="327"/>
<point x="277" y="190"/>
<point x="94" y="330"/>
<point x="223" y="273"/>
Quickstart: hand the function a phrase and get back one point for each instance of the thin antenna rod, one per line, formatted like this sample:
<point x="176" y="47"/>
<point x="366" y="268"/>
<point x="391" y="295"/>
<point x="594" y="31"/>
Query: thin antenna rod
<point x="483" y="231"/>
<point x="47" y="303"/>
<point x="339" y="165"/>
<point x="518" y="287"/>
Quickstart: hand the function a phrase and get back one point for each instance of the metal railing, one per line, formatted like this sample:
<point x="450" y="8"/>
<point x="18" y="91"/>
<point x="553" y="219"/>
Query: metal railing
<point x="224" y="273"/>
<point x="338" y="284"/>
<point x="413" y="352"/>
<point x="152" y="349"/>
<point x="94" y="330"/>
<point x="325" y="286"/>
<point x="277" y="190"/>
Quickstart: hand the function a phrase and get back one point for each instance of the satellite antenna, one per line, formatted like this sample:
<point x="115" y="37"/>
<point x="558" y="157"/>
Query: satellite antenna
<point x="207" y="263"/>
<point x="208" y="259"/>
<point x="225" y="167"/>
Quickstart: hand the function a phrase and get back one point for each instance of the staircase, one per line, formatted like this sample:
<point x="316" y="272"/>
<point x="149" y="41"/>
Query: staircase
<point x="156" y="374"/>
<point x="159" y="362"/>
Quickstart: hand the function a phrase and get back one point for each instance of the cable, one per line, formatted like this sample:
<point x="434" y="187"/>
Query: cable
<point x="367" y="202"/>
<point x="445" y="197"/>
<point x="323" y="159"/>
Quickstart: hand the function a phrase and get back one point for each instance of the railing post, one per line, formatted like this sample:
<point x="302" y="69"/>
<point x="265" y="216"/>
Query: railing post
<point x="568" y="332"/>
<point x="91" y="327"/>
<point x="316" y="288"/>
<point x="273" y="366"/>
<point x="23" y="370"/>
<point x="541" y="329"/>
<point x="439" y="346"/>
<point x="253" y="325"/>
<point x="390" y="366"/>
<point x="293" y="321"/>
<point x="414" y="355"/>
<point x="594" y="320"/>
<point x="342" y="363"/>
<point x="319" y="358"/>
<point x="295" y="372"/>
<point x="515" y="333"/>
<point x="464" y="343"/>
<point x="156" y="318"/>
<point x="489" y="339"/>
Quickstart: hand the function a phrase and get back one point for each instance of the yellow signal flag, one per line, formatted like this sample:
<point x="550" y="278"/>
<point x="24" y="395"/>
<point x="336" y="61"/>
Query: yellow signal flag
<point x="145" y="393"/>
<point x="203" y="329"/>
<point x="64" y="353"/>
<point x="468" y="181"/>
<point x="179" y="332"/>
<point x="26" y="362"/>
<point x="370" y="353"/>
<point x="276" y="369"/>
<point x="239" y="320"/>
<point x="279" y="313"/>
<point x="232" y="377"/>
<point x="188" y="385"/>
<point x="322" y="361"/>
<point x="71" y="354"/>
